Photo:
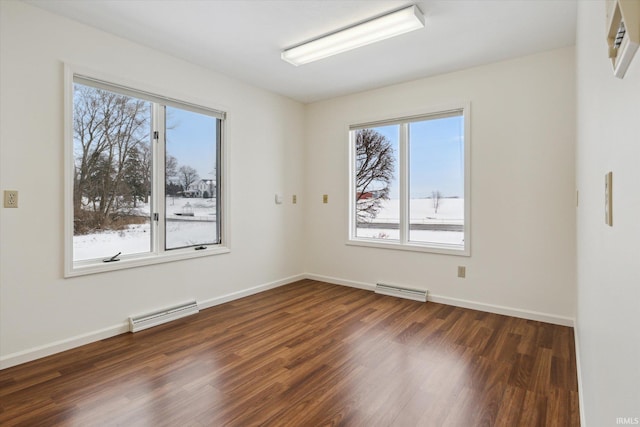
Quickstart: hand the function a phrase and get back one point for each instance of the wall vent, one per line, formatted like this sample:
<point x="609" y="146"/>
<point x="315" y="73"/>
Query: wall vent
<point x="397" y="291"/>
<point x="144" y="321"/>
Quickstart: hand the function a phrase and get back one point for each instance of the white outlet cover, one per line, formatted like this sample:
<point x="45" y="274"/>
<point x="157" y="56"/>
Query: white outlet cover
<point x="10" y="199"/>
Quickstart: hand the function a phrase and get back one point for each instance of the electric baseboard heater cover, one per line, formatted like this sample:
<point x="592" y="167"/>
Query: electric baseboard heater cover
<point x="402" y="292"/>
<point x="145" y="321"/>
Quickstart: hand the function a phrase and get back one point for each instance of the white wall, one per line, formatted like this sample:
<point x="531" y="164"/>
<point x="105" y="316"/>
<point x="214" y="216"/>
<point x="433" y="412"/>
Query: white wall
<point x="608" y="135"/>
<point x="522" y="180"/>
<point x="37" y="306"/>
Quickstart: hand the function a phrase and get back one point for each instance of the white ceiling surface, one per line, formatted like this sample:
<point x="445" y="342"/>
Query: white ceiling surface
<point x="244" y="38"/>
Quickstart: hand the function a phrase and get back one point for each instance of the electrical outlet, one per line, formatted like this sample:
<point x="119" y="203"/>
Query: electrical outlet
<point x="10" y="199"/>
<point x="325" y="198"/>
<point x="462" y="271"/>
<point x="294" y="199"/>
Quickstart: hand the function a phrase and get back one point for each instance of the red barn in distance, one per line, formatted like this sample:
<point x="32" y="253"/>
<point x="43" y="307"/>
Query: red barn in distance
<point x="368" y="195"/>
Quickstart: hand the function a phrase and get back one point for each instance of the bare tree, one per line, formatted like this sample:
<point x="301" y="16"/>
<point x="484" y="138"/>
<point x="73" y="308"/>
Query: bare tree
<point x="146" y="162"/>
<point x="374" y="172"/>
<point x="436" y="199"/>
<point x="171" y="168"/>
<point x="187" y="176"/>
<point x="110" y="130"/>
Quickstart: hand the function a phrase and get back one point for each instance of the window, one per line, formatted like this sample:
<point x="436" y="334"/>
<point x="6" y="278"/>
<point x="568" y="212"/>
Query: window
<point x="144" y="178"/>
<point x="410" y="183"/>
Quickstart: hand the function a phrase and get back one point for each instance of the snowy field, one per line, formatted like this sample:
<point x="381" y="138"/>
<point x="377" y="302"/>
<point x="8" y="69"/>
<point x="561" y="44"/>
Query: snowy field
<point x="421" y="211"/>
<point x="181" y="231"/>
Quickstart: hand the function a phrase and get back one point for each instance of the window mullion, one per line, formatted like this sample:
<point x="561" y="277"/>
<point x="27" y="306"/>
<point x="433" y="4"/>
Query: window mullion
<point x="353" y="221"/>
<point x="158" y="197"/>
<point x="219" y="183"/>
<point x="403" y="160"/>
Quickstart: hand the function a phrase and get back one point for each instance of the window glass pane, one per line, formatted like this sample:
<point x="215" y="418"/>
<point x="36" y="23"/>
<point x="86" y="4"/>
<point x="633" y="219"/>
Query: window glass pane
<point x="436" y="181"/>
<point x="377" y="187"/>
<point x="112" y="174"/>
<point x="191" y="172"/>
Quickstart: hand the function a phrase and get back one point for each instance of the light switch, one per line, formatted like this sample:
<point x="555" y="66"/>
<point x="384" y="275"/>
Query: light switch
<point x="325" y="198"/>
<point x="278" y="199"/>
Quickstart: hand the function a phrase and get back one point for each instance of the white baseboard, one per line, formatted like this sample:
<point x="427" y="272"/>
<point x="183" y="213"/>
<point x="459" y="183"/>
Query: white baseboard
<point x="89" y="337"/>
<point x="343" y="282"/>
<point x="491" y="308"/>
<point x="507" y="311"/>
<point x="39" y="352"/>
<point x="246" y="292"/>
<point x="576" y="339"/>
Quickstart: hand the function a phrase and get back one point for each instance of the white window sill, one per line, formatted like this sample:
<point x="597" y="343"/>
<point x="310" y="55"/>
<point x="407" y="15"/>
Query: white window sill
<point x="435" y="248"/>
<point x="81" y="268"/>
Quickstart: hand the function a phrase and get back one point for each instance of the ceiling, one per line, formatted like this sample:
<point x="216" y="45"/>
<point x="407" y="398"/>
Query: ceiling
<point x="244" y="38"/>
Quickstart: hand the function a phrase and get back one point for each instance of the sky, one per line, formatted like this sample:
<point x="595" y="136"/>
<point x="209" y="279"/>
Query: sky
<point x="436" y="157"/>
<point x="191" y="138"/>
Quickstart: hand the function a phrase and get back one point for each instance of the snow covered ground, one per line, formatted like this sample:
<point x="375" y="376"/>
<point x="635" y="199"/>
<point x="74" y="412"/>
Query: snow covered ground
<point x="421" y="211"/>
<point x="181" y="231"/>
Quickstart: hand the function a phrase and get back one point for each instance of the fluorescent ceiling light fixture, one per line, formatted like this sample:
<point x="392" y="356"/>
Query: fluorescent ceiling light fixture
<point x="371" y="31"/>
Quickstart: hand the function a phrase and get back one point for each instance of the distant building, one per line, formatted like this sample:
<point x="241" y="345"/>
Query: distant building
<point x="205" y="188"/>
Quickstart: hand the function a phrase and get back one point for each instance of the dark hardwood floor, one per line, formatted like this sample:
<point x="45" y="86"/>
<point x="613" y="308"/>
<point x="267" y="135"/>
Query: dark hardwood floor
<point x="308" y="354"/>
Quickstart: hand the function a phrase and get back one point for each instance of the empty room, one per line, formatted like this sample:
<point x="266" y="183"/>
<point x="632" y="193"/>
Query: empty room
<point x="309" y="213"/>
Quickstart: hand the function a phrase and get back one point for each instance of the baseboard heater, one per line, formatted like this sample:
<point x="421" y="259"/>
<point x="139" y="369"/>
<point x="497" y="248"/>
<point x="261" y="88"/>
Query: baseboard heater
<point x="144" y="321"/>
<point x="397" y="291"/>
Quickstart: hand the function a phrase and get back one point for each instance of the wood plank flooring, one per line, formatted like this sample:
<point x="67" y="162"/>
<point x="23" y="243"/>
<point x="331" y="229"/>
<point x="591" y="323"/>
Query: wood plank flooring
<point x="308" y="354"/>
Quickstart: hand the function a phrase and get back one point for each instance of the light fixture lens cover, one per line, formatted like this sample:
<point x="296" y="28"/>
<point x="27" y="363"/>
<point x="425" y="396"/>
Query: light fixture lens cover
<point x="377" y="29"/>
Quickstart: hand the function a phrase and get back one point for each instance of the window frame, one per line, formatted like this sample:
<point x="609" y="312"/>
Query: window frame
<point x="403" y="173"/>
<point x="157" y="254"/>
